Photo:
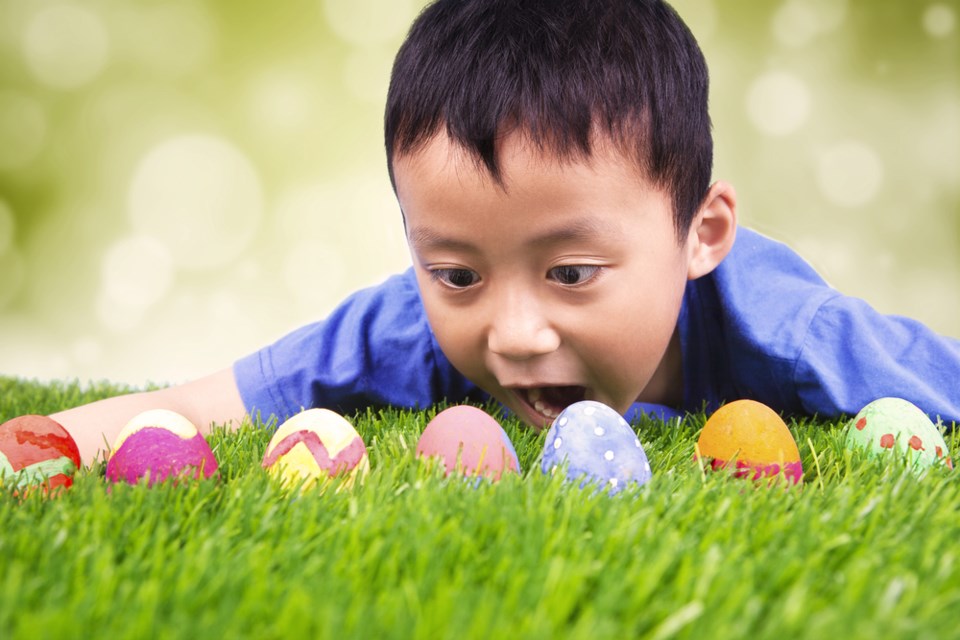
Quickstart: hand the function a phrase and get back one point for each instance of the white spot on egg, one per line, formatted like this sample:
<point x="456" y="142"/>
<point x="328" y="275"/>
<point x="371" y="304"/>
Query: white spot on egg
<point x="599" y="431"/>
<point x="589" y="410"/>
<point x="849" y="174"/>
<point x="608" y="455"/>
<point x="613" y="482"/>
<point x="636" y="442"/>
<point x="563" y="421"/>
<point x="557" y="443"/>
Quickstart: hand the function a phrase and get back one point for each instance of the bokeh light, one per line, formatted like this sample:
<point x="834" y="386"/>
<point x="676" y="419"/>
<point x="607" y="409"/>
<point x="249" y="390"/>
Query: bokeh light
<point x="169" y="39"/>
<point x="11" y="276"/>
<point x="778" y="103"/>
<point x="939" y="20"/>
<point x="65" y="45"/>
<point x="849" y="173"/>
<point x="137" y="272"/>
<point x="370" y="22"/>
<point x="200" y="196"/>
<point x="23" y="128"/>
<point x="797" y="22"/>
<point x="7" y="228"/>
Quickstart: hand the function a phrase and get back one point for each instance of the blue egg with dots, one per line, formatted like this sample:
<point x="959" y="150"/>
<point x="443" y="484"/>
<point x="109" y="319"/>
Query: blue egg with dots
<point x="592" y="443"/>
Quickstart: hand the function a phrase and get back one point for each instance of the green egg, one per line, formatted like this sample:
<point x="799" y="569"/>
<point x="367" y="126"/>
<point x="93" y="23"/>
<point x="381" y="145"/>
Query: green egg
<point x="893" y="424"/>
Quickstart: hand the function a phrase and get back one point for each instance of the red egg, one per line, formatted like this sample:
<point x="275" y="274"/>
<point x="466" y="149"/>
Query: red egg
<point x="469" y="441"/>
<point x="37" y="451"/>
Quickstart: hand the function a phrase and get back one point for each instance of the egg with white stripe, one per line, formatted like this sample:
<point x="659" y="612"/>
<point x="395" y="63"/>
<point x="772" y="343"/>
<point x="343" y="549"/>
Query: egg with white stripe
<point x="592" y="443"/>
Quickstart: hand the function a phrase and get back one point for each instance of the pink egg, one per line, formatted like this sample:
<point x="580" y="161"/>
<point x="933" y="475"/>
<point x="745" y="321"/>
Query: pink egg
<point x="469" y="441"/>
<point x="159" y="444"/>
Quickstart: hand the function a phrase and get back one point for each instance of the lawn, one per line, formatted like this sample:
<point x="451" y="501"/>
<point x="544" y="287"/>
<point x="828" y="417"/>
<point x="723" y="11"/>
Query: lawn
<point x="864" y="548"/>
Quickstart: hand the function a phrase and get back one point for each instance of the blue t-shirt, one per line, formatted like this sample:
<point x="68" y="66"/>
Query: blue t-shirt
<point x="763" y="325"/>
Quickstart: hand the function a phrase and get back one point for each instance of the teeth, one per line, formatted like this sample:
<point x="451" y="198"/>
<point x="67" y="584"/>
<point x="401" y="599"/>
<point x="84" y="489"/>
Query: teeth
<point x="545" y="410"/>
<point x="534" y="395"/>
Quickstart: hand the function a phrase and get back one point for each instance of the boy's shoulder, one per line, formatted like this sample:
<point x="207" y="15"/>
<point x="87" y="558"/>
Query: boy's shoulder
<point x="764" y="278"/>
<point x="765" y="325"/>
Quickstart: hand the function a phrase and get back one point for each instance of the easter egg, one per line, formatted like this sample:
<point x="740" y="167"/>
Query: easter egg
<point x="752" y="436"/>
<point x="36" y="451"/>
<point x="469" y="441"/>
<point x="595" y="444"/>
<point x="159" y="444"/>
<point x="893" y="424"/>
<point x="314" y="446"/>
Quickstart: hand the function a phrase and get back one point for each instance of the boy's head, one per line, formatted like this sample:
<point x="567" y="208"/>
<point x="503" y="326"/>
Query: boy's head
<point x="565" y="73"/>
<point x="552" y="161"/>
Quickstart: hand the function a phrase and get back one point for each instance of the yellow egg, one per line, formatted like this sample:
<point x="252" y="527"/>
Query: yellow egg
<point x="751" y="436"/>
<point x="314" y="446"/>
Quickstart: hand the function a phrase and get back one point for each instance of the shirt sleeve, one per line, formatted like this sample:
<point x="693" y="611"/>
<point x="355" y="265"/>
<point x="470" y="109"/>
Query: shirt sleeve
<point x="853" y="355"/>
<point x="764" y="325"/>
<point x="375" y="350"/>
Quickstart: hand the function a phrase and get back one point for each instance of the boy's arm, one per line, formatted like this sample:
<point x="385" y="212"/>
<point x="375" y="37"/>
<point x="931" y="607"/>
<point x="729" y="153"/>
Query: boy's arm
<point x="212" y="399"/>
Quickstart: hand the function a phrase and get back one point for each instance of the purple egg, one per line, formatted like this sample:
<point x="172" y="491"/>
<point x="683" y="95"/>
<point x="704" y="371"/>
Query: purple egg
<point x="594" y="444"/>
<point x="157" y="445"/>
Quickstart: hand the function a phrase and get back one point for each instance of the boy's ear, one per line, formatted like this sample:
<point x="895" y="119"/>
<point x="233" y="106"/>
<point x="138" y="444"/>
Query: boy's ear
<point x="713" y="230"/>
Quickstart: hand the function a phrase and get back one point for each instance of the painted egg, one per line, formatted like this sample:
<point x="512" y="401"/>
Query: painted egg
<point x="36" y="451"/>
<point x="159" y="444"/>
<point x="893" y="424"/>
<point x="755" y="437"/>
<point x="596" y="445"/>
<point x="314" y="446"/>
<point x="469" y="441"/>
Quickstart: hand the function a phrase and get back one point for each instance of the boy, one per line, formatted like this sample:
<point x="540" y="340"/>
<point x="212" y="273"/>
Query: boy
<point x="552" y="162"/>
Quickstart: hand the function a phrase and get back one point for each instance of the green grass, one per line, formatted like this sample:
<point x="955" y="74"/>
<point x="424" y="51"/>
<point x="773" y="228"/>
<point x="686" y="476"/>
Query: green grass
<point x="864" y="549"/>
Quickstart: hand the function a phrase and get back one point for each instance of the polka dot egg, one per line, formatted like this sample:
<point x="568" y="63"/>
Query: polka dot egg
<point x="896" y="425"/>
<point x="593" y="443"/>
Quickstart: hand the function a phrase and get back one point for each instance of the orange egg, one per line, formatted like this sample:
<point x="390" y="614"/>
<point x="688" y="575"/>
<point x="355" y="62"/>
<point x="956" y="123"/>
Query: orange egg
<point x="751" y="436"/>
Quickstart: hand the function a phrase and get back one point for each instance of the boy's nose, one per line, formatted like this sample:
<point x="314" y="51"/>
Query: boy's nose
<point x="520" y="330"/>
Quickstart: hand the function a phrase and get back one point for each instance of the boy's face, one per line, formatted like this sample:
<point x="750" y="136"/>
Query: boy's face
<point x="564" y="286"/>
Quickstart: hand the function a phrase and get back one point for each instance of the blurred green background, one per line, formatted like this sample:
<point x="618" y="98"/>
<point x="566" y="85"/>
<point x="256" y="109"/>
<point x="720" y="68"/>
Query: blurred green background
<point x="184" y="181"/>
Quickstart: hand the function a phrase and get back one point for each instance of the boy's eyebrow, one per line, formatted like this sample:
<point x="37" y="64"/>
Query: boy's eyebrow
<point x="579" y="230"/>
<point x="421" y="238"/>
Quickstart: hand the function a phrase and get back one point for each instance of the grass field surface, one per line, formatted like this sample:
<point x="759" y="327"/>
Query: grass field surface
<point x="863" y="548"/>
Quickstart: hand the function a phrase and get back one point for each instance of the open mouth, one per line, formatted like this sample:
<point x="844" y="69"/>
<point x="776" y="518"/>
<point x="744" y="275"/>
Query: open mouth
<point x="550" y="401"/>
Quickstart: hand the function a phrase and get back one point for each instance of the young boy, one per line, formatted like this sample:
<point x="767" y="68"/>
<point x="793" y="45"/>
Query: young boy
<point x="552" y="162"/>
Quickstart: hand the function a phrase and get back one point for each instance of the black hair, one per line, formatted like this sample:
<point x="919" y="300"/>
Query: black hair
<point x="561" y="71"/>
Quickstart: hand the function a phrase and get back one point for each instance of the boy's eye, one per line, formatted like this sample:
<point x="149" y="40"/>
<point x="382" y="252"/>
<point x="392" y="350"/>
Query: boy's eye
<point x="456" y="278"/>
<point x="573" y="274"/>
